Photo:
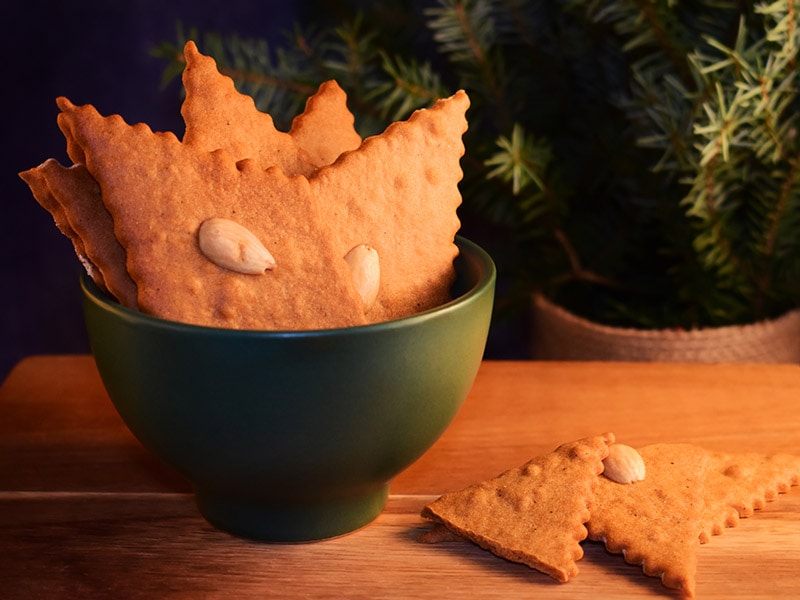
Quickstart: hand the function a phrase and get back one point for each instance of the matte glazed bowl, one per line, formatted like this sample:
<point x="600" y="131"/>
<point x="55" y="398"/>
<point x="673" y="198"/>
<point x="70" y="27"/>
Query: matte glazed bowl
<point x="293" y="436"/>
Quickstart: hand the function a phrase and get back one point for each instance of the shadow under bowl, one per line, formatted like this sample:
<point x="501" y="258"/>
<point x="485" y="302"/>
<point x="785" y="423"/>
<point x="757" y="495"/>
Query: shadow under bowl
<point x="293" y="435"/>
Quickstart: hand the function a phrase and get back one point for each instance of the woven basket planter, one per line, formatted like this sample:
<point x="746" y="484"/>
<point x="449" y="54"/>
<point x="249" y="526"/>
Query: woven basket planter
<point x="560" y="335"/>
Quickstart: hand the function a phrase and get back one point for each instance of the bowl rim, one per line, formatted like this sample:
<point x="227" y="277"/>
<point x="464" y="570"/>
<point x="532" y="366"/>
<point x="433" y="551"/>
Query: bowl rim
<point x="92" y="293"/>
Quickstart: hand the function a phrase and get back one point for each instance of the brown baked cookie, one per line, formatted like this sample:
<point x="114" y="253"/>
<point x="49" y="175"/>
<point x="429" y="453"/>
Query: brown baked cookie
<point x="73" y="197"/>
<point x="159" y="191"/>
<point x="738" y="484"/>
<point x="439" y="534"/>
<point x="656" y="522"/>
<point x="325" y="128"/>
<point x="533" y="514"/>
<point x="37" y="182"/>
<point x="398" y="192"/>
<point x="74" y="149"/>
<point x="217" y="116"/>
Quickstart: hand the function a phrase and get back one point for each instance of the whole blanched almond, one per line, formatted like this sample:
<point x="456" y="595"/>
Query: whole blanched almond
<point x="232" y="246"/>
<point x="623" y="464"/>
<point x="366" y="271"/>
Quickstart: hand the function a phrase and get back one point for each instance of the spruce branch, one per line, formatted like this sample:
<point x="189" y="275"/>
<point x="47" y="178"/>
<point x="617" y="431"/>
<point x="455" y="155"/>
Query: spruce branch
<point x="577" y="272"/>
<point x="465" y="32"/>
<point x="788" y="195"/>
<point x="521" y="160"/>
<point x="410" y="85"/>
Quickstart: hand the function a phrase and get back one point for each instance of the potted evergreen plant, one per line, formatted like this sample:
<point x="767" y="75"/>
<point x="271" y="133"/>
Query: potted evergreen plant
<point x="638" y="162"/>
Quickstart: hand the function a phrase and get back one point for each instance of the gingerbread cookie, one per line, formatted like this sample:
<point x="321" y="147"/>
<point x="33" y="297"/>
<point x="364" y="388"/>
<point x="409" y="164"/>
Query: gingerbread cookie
<point x="533" y="514"/>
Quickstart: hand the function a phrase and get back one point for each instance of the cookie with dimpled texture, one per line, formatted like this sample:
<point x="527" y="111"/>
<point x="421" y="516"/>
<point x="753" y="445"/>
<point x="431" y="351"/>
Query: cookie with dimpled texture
<point x="533" y="514"/>
<point x="162" y="192"/>
<point x="656" y="522"/>
<point x="325" y="129"/>
<point x="738" y="484"/>
<point x="217" y="116"/>
<point x="398" y="193"/>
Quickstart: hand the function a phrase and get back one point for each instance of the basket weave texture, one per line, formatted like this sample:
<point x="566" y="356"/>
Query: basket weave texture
<point x="560" y="335"/>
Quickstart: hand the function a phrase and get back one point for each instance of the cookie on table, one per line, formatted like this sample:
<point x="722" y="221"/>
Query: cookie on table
<point x="656" y="522"/>
<point x="534" y="514"/>
<point x="738" y="484"/>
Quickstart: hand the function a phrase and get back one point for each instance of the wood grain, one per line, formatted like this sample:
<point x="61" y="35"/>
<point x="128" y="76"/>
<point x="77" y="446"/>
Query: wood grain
<point x="86" y="512"/>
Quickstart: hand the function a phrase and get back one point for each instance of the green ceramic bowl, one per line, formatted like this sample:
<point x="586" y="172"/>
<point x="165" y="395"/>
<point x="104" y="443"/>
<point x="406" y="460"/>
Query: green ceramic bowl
<point x="293" y="436"/>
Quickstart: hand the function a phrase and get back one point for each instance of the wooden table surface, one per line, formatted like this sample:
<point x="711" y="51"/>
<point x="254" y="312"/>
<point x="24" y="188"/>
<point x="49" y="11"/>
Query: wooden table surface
<point x="86" y="512"/>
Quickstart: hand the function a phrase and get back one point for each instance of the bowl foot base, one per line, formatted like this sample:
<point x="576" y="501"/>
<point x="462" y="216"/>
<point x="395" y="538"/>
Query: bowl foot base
<point x="276" y="522"/>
